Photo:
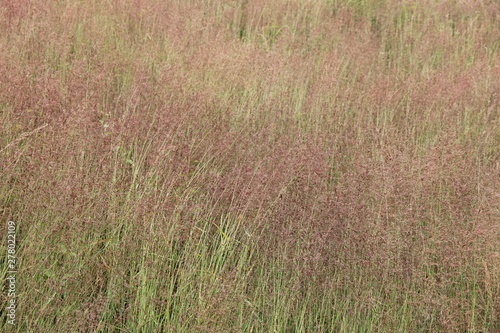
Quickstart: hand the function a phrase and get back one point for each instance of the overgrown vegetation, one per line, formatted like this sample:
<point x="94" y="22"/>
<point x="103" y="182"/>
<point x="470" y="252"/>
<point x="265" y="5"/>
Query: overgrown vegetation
<point x="252" y="166"/>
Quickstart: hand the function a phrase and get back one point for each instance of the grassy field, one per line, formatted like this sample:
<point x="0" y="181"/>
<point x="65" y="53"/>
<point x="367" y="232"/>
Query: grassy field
<point x="250" y="165"/>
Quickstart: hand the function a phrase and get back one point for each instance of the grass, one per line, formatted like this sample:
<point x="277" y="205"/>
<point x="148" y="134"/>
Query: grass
<point x="249" y="166"/>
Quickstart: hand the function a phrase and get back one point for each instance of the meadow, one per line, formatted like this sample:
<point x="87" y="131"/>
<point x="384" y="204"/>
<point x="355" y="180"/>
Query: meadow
<point x="251" y="166"/>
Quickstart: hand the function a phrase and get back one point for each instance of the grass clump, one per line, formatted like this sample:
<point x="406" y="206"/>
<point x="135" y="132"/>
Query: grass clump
<point x="249" y="166"/>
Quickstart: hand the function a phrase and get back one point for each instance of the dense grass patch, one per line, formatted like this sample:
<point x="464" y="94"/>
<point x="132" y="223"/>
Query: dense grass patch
<point x="251" y="166"/>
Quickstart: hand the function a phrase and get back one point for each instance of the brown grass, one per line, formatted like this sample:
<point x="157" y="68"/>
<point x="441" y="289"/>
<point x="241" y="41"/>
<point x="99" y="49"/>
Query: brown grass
<point x="234" y="166"/>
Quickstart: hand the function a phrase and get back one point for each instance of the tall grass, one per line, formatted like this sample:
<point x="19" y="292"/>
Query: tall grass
<point x="252" y="166"/>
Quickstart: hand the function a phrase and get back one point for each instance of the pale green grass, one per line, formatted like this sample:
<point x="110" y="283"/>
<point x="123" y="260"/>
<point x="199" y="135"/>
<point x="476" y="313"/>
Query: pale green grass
<point x="149" y="157"/>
